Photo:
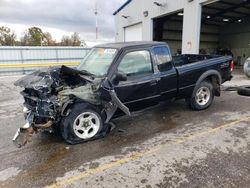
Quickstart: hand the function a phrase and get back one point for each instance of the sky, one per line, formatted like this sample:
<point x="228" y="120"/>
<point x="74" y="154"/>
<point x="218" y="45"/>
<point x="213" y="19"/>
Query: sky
<point x="61" y="17"/>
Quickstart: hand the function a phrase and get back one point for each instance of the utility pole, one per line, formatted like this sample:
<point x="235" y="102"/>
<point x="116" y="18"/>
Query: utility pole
<point x="96" y="22"/>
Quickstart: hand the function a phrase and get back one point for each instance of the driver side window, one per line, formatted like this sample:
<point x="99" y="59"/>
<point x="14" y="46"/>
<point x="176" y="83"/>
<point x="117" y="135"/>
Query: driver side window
<point x="136" y="63"/>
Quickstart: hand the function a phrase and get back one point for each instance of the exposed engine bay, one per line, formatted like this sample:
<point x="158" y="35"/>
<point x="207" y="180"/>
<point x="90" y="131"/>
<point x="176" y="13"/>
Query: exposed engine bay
<point x="50" y="93"/>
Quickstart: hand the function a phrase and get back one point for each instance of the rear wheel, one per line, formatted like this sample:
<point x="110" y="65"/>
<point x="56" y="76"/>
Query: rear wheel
<point x="202" y="97"/>
<point x="84" y="123"/>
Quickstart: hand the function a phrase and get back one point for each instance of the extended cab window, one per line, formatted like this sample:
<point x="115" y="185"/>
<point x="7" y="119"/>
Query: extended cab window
<point x="163" y="57"/>
<point x="136" y="63"/>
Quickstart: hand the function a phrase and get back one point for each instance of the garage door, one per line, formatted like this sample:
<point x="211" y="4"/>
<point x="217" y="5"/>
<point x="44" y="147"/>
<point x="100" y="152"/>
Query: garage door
<point x="133" y="33"/>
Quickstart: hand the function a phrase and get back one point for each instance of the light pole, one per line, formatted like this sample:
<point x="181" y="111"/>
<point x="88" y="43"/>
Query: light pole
<point x="96" y="22"/>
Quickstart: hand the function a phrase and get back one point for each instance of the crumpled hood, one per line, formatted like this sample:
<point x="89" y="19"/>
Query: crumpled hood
<point x="53" y="77"/>
<point x="39" y="79"/>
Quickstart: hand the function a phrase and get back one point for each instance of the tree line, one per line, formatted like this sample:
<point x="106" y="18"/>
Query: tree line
<point x="34" y="36"/>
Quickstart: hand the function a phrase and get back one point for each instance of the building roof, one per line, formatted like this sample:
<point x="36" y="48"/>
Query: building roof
<point x="120" y="45"/>
<point x="122" y="7"/>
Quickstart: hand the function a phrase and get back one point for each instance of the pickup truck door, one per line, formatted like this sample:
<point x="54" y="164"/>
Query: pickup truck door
<point x="141" y="84"/>
<point x="166" y="72"/>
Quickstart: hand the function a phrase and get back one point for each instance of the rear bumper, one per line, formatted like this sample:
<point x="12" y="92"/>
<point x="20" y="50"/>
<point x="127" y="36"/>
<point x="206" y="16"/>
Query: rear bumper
<point x="229" y="78"/>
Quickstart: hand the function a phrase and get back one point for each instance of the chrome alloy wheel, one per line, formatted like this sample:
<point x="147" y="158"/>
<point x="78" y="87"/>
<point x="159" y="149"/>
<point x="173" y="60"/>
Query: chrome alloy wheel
<point x="202" y="96"/>
<point x="86" y="125"/>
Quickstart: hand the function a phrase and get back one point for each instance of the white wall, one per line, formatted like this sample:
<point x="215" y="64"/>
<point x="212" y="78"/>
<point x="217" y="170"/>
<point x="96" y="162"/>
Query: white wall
<point x="135" y="9"/>
<point x="191" y="28"/>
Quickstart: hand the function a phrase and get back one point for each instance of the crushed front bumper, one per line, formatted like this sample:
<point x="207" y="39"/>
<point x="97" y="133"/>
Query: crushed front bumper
<point x="23" y="135"/>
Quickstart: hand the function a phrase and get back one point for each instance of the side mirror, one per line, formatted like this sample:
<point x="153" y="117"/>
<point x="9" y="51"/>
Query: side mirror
<point x="118" y="77"/>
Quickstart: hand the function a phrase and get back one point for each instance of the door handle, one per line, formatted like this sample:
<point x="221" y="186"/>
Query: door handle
<point x="153" y="82"/>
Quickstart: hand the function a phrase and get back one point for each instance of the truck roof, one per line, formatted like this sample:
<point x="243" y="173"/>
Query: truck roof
<point x="120" y="45"/>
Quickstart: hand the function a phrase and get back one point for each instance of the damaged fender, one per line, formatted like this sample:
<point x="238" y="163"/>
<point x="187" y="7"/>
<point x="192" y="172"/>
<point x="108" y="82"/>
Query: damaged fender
<point x="49" y="93"/>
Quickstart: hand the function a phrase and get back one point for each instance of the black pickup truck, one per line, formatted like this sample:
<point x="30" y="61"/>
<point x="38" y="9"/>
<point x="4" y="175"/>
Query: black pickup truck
<point x="115" y="79"/>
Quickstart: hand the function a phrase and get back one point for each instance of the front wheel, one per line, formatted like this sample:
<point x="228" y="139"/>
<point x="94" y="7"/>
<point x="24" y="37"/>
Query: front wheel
<point x="202" y="96"/>
<point x="84" y="123"/>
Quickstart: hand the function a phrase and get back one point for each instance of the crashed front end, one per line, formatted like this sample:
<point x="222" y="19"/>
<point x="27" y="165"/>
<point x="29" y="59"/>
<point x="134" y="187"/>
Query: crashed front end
<point x="48" y="94"/>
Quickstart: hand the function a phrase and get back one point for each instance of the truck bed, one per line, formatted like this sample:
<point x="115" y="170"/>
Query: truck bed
<point x="185" y="59"/>
<point x="191" y="67"/>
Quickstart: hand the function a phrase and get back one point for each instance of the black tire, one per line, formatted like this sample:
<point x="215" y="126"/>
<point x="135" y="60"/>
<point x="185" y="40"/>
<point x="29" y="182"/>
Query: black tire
<point x="67" y="123"/>
<point x="245" y="91"/>
<point x="193" y="101"/>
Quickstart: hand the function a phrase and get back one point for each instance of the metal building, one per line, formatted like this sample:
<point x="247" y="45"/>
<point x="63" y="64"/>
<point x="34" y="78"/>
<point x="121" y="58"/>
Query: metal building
<point x="188" y="26"/>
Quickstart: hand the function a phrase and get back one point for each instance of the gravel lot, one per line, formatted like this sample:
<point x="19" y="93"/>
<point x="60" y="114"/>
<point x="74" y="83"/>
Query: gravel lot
<point x="165" y="146"/>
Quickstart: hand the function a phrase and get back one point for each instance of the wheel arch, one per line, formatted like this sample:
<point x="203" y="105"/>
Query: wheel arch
<point x="66" y="132"/>
<point x="212" y="76"/>
<point x="75" y="100"/>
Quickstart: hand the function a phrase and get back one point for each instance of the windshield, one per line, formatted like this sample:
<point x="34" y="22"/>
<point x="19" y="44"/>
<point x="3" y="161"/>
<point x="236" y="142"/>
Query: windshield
<point x="98" y="61"/>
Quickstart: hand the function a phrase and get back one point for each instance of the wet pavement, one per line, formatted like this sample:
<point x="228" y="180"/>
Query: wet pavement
<point x="165" y="146"/>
